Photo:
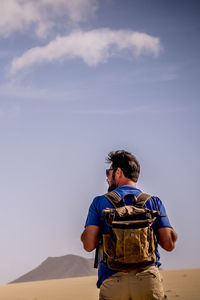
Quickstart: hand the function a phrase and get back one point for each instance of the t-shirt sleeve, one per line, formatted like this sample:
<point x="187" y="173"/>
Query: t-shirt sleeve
<point x="163" y="220"/>
<point x="93" y="215"/>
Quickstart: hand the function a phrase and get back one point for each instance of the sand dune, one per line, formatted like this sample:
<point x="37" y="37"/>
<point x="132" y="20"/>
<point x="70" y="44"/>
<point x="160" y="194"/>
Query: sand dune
<point x="179" y="284"/>
<point x="182" y="284"/>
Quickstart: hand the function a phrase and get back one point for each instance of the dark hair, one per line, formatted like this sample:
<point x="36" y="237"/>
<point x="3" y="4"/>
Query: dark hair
<point x="126" y="161"/>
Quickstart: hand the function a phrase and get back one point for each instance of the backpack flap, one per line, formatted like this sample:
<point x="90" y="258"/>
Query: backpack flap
<point x="128" y="216"/>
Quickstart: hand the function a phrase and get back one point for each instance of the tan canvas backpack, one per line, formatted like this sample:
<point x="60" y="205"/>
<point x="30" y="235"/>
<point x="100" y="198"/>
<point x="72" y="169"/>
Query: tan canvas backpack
<point x="130" y="241"/>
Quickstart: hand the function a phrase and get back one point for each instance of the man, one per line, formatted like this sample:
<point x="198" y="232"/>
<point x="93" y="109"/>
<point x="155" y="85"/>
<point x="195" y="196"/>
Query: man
<point x="143" y="282"/>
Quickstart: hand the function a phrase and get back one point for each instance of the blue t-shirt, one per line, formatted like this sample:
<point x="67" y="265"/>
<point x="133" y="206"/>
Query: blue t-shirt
<point x="95" y="217"/>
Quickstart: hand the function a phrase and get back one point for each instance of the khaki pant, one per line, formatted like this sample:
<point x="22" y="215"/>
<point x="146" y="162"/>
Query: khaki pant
<point x="145" y="284"/>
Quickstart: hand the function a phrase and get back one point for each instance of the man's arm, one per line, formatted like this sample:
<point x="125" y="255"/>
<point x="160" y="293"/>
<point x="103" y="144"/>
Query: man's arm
<point x="167" y="238"/>
<point x="90" y="237"/>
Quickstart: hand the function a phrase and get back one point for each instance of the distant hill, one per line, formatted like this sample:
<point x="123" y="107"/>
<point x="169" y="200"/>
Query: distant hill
<point x="60" y="267"/>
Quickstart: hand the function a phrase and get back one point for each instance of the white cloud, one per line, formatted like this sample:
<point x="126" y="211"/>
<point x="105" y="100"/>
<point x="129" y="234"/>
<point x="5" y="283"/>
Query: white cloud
<point x="16" y="90"/>
<point x="43" y="15"/>
<point x="115" y="111"/>
<point x="93" y="47"/>
<point x="19" y="91"/>
<point x="149" y="109"/>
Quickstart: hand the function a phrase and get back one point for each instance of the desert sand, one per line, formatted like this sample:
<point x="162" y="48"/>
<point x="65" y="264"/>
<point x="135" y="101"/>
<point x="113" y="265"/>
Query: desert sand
<point x="179" y="284"/>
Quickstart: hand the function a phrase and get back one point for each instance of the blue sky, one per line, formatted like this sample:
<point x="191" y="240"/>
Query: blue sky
<point x="77" y="80"/>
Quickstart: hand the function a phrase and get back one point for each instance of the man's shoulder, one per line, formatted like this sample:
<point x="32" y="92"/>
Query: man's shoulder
<point x="154" y="202"/>
<point x="98" y="199"/>
<point x="100" y="202"/>
<point x="155" y="199"/>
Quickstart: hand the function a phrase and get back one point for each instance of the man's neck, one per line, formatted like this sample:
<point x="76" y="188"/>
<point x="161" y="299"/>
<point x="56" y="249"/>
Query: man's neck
<point x="127" y="182"/>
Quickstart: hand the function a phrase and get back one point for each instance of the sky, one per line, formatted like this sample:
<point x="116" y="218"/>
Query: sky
<point x="79" y="79"/>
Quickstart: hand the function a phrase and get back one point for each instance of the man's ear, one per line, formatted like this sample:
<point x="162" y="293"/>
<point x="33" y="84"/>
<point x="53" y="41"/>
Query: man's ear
<point x="119" y="172"/>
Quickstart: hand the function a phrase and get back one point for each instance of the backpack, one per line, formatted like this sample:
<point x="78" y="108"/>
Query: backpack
<point x="129" y="244"/>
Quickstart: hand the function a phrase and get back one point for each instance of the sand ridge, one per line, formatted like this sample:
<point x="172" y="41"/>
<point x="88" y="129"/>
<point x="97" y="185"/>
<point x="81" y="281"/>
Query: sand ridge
<point x="179" y="284"/>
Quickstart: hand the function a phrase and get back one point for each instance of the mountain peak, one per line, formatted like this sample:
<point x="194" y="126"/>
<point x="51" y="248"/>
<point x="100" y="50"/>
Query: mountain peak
<point x="66" y="266"/>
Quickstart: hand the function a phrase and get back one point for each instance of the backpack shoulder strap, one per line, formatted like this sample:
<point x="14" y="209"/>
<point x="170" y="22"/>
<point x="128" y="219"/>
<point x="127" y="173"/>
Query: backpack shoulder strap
<point x="142" y="199"/>
<point x="114" y="198"/>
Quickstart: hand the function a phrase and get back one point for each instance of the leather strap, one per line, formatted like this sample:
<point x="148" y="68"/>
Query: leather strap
<point x="142" y="199"/>
<point x="114" y="198"/>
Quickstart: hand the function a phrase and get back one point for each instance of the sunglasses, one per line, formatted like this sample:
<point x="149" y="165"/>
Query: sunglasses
<point x="108" y="171"/>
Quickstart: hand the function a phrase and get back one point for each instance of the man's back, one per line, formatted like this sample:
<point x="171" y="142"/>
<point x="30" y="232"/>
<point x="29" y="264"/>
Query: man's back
<point x="95" y="217"/>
